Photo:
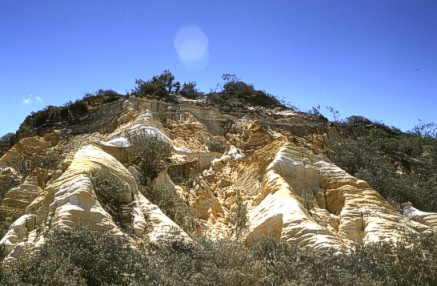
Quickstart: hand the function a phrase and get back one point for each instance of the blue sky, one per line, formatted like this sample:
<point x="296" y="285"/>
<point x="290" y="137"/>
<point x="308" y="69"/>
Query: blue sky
<point x="375" y="58"/>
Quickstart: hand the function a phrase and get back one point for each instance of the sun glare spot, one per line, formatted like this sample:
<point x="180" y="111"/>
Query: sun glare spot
<point x="191" y="45"/>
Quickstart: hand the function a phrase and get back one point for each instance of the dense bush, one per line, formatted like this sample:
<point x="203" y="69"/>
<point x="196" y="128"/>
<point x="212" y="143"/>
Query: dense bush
<point x="51" y="160"/>
<point x="23" y="164"/>
<point x="101" y="96"/>
<point x="77" y="108"/>
<point x="216" y="99"/>
<point x="235" y="94"/>
<point x="184" y="174"/>
<point x="5" y="222"/>
<point x="46" y="116"/>
<point x="214" y="146"/>
<point x="109" y="192"/>
<point x="269" y="262"/>
<point x="234" y="88"/>
<point x="189" y="90"/>
<point x="398" y="165"/>
<point x="84" y="257"/>
<point x="80" y="257"/>
<point x="171" y="205"/>
<point x="161" y="86"/>
<point x="7" y="182"/>
<point x="71" y="112"/>
<point x="148" y="153"/>
<point x="6" y="142"/>
<point x="238" y="95"/>
<point x="238" y="216"/>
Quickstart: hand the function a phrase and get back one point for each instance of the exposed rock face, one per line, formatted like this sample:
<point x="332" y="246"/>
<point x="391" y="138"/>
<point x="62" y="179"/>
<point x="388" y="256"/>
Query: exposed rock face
<point x="17" y="199"/>
<point x="426" y="218"/>
<point x="28" y="152"/>
<point x="273" y="160"/>
<point x="282" y="215"/>
<point x="9" y="178"/>
<point x="307" y="200"/>
<point x="71" y="199"/>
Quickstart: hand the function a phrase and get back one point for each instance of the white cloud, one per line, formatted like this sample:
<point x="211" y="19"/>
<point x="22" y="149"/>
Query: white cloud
<point x="30" y="99"/>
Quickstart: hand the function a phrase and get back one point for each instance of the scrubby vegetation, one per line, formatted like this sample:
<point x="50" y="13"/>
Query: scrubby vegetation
<point x="238" y="95"/>
<point x="51" y="160"/>
<point x="5" y="142"/>
<point x="101" y="96"/>
<point x="80" y="257"/>
<point x="185" y="174"/>
<point x="148" y="153"/>
<point x="23" y="164"/>
<point x="109" y="193"/>
<point x="84" y="257"/>
<point x="7" y="182"/>
<point x="171" y="205"/>
<point x="400" y="166"/>
<point x="162" y="86"/>
<point x="234" y="95"/>
<point x="238" y="216"/>
<point x="190" y="91"/>
<point x="69" y="113"/>
<point x="214" y="146"/>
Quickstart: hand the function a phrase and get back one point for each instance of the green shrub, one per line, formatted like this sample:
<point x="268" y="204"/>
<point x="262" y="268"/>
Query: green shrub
<point x="425" y="130"/>
<point x="375" y="153"/>
<point x="50" y="160"/>
<point x="5" y="222"/>
<point x="217" y="99"/>
<point x="7" y="182"/>
<point x="161" y="86"/>
<point x="400" y="166"/>
<point x="184" y="174"/>
<point x="101" y="96"/>
<point x="6" y="141"/>
<point x="189" y="90"/>
<point x="78" y="108"/>
<point x="80" y="257"/>
<point x="214" y="146"/>
<point x="204" y="262"/>
<point x="109" y="192"/>
<point x="84" y="257"/>
<point x="149" y="154"/>
<point x="47" y="116"/>
<point x="364" y="161"/>
<point x="272" y="262"/>
<point x="52" y="115"/>
<point x="234" y="88"/>
<point x="238" y="95"/>
<point x="238" y="216"/>
<point x="24" y="163"/>
<point x="171" y="205"/>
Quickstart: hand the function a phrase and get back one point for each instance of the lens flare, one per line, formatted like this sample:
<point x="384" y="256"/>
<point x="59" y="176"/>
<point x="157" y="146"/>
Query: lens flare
<point x="191" y="45"/>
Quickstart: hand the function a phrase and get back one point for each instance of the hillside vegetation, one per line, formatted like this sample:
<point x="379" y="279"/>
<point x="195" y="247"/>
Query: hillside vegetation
<point x="83" y="257"/>
<point x="168" y="185"/>
<point x="400" y="166"/>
